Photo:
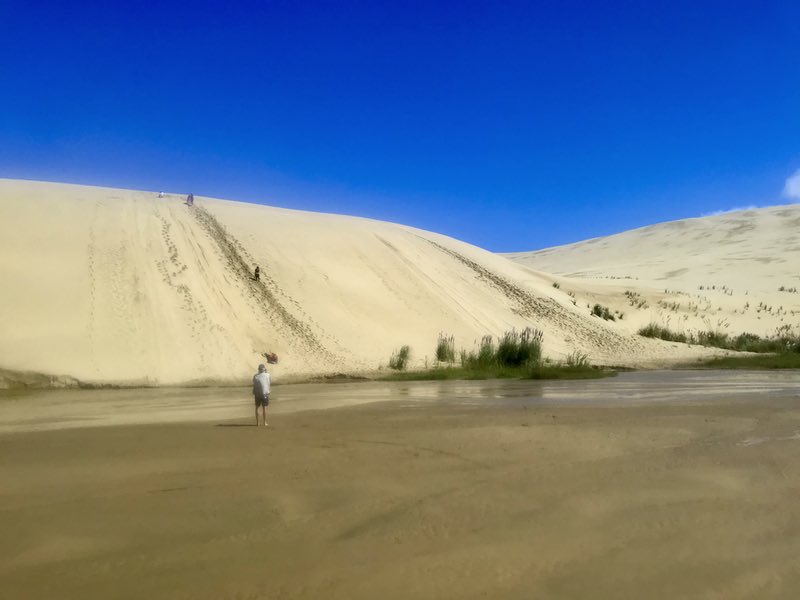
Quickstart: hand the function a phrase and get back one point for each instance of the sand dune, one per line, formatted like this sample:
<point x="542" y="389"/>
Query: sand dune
<point x="116" y="286"/>
<point x="722" y="272"/>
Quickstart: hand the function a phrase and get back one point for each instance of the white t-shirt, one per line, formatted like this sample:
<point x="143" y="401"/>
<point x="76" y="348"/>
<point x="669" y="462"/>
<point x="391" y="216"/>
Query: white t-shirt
<point x="261" y="382"/>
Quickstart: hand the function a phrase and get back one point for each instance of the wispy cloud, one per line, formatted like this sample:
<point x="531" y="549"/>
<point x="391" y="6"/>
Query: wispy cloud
<point x="724" y="211"/>
<point x="791" y="188"/>
<point x="791" y="193"/>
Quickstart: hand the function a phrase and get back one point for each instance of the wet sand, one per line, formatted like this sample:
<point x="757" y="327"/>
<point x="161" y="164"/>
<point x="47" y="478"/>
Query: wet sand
<point x="43" y="410"/>
<point x="647" y="486"/>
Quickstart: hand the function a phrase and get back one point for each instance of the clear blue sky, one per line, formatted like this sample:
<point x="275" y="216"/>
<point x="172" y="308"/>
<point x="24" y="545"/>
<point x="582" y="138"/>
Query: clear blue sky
<point x="511" y="125"/>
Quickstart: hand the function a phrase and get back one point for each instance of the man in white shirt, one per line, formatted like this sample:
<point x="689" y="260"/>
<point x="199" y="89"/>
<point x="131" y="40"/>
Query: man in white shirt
<point x="261" y="385"/>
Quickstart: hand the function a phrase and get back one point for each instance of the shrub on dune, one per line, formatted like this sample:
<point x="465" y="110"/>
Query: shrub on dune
<point x="399" y="359"/>
<point x="446" y="349"/>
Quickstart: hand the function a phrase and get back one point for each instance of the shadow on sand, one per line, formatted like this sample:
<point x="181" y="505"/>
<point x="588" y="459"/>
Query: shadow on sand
<point x="235" y="425"/>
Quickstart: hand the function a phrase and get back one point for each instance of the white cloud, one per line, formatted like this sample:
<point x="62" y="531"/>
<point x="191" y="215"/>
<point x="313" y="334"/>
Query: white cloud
<point x="791" y="188"/>
<point x="791" y="193"/>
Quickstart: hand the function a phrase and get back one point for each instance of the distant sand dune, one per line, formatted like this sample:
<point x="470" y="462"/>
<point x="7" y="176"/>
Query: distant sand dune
<point x="723" y="272"/>
<point x="114" y="286"/>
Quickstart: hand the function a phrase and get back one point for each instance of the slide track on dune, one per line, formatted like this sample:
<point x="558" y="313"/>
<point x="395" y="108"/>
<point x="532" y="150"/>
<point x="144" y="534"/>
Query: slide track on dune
<point x="264" y="292"/>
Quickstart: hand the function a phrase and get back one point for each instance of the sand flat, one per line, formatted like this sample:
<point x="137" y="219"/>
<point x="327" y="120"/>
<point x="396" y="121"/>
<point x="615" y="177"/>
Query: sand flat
<point x="689" y="497"/>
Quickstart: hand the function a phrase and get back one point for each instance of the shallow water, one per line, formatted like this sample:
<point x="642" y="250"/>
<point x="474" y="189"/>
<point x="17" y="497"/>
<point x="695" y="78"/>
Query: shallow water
<point x="58" y="409"/>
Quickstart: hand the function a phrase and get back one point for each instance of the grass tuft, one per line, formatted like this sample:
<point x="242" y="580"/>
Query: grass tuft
<point x="662" y="333"/>
<point x="518" y="349"/>
<point x="446" y="349"/>
<point x="399" y="359"/>
<point x="578" y="359"/>
<point x="603" y="312"/>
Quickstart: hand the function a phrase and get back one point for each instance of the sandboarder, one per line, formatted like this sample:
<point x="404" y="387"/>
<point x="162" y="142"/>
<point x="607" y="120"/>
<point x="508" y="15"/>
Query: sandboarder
<point x="190" y="200"/>
<point x="261" y="386"/>
<point x="257" y="274"/>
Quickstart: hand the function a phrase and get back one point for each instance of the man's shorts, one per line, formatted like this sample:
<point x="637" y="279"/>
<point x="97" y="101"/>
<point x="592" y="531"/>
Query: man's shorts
<point x="262" y="401"/>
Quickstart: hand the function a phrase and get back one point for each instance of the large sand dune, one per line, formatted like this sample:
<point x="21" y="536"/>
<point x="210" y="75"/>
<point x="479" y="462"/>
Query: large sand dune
<point x="115" y="286"/>
<point x="734" y="272"/>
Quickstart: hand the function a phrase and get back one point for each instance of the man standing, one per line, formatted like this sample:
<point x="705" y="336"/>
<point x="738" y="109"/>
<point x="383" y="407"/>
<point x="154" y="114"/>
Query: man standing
<point x="261" y="384"/>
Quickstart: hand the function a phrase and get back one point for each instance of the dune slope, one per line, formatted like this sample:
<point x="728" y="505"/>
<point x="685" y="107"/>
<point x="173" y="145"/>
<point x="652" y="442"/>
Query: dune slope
<point x="734" y="272"/>
<point x="116" y="286"/>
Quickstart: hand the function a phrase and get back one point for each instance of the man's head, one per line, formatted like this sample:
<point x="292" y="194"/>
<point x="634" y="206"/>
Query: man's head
<point x="262" y="368"/>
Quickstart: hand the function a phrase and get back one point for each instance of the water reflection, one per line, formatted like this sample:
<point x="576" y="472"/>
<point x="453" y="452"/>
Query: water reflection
<point x="52" y="409"/>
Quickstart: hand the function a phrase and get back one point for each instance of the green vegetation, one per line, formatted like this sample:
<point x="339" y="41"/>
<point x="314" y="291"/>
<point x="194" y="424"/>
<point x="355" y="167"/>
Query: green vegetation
<point x="781" y="351"/>
<point x="483" y="358"/>
<point x="663" y="333"/>
<point x="519" y="349"/>
<point x="602" y="311"/>
<point x="399" y="359"/>
<point x="446" y="349"/>
<point x="514" y="350"/>
<point x="783" y="342"/>
<point x="635" y="299"/>
<point x="786" y="360"/>
<point x="517" y="355"/>
<point x="578" y="359"/>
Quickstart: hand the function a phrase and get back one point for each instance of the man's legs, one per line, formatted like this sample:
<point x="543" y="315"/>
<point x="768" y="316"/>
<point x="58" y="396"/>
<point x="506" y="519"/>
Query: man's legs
<point x="264" y="413"/>
<point x="256" y="414"/>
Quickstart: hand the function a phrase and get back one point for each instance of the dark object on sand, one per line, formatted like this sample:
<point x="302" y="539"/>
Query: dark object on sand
<point x="257" y="274"/>
<point x="271" y="357"/>
<point x="190" y="199"/>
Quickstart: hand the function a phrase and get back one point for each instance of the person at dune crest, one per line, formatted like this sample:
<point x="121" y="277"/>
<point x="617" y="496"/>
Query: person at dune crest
<point x="190" y="200"/>
<point x="261" y="386"/>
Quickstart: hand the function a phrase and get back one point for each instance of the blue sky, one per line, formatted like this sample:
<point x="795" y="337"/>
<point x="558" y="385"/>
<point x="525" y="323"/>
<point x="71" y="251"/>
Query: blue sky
<point x="511" y="125"/>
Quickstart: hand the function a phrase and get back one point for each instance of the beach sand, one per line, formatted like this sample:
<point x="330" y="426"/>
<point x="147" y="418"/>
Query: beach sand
<point x="692" y="496"/>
